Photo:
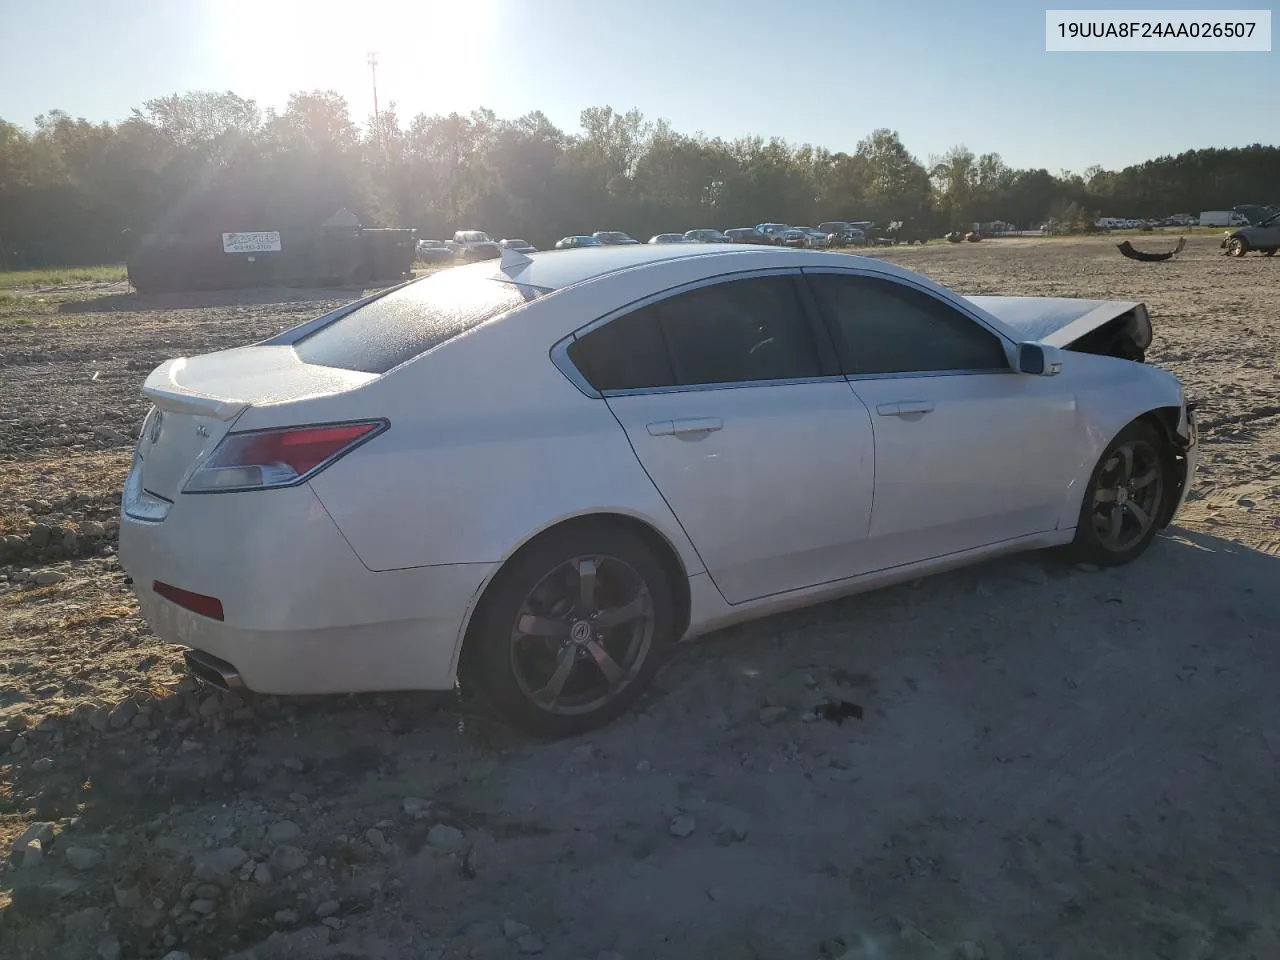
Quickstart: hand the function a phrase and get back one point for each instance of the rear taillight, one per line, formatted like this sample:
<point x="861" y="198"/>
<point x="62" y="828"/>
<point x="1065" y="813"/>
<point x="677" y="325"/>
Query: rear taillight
<point x="263" y="459"/>
<point x="210" y="607"/>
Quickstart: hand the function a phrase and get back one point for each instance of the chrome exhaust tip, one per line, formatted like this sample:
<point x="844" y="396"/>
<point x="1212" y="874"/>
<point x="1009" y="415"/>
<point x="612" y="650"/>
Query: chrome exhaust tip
<point x="212" y="670"/>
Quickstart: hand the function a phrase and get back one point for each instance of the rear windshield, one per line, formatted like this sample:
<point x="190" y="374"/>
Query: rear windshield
<point x="410" y="321"/>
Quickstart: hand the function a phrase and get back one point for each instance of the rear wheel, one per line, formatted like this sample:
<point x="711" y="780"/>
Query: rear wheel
<point x="1125" y="498"/>
<point x="1269" y="252"/>
<point x="572" y="631"/>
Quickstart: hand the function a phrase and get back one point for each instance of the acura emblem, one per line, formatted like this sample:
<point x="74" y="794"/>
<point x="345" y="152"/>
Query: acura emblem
<point x="155" y="425"/>
<point x="202" y="430"/>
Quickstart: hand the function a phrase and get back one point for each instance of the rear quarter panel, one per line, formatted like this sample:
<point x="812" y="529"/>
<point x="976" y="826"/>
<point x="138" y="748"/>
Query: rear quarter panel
<point x="489" y="444"/>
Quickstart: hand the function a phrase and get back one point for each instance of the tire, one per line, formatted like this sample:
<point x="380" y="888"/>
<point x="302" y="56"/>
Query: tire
<point x="1237" y="247"/>
<point x="1141" y="505"/>
<point x="540" y="589"/>
<point x="1269" y="252"/>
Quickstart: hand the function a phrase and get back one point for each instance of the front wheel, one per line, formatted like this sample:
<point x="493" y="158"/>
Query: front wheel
<point x="1236" y="247"/>
<point x="572" y="630"/>
<point x="1125" y="498"/>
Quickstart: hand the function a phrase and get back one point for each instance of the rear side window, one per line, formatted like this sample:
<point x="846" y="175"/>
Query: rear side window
<point x="627" y="353"/>
<point x="410" y="321"/>
<point x="737" y="331"/>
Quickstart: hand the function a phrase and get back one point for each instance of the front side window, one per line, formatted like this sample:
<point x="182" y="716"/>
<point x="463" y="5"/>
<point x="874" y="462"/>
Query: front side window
<point x="883" y="326"/>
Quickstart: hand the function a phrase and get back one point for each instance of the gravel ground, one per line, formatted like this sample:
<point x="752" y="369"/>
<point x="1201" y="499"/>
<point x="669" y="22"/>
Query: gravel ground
<point x="1046" y="762"/>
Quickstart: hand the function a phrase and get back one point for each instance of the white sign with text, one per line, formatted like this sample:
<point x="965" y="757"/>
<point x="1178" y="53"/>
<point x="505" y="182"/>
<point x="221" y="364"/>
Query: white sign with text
<point x="262" y="242"/>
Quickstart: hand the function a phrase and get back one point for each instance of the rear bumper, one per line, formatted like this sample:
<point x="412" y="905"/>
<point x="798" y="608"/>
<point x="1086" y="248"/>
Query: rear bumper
<point x="302" y="614"/>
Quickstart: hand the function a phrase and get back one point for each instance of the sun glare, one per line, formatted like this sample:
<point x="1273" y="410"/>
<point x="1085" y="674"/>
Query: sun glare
<point x="425" y="49"/>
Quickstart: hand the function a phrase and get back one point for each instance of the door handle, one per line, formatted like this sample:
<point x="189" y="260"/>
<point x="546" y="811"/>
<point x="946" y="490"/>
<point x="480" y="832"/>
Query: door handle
<point x="680" y="428"/>
<point x="905" y="408"/>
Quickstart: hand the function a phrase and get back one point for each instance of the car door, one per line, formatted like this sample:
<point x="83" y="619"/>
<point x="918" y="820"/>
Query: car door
<point x="968" y="451"/>
<point x="746" y="427"/>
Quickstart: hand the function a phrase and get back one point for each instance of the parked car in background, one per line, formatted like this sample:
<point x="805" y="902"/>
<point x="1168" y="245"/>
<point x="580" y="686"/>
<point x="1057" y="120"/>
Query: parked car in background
<point x="843" y="233"/>
<point x="772" y="230"/>
<point x="568" y="243"/>
<point x="818" y="239"/>
<point x="1263" y="237"/>
<point x="434" y="251"/>
<point x="475" y="245"/>
<point x="307" y="515"/>
<point x="748" y="235"/>
<point x="520" y="246"/>
<point x="615" y="238"/>
<point x="670" y="238"/>
<point x="706" y="236"/>
<point x="791" y="237"/>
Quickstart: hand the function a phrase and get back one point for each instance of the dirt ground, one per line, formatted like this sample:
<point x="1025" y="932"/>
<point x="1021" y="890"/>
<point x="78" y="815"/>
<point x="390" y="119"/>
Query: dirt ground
<point x="1052" y="762"/>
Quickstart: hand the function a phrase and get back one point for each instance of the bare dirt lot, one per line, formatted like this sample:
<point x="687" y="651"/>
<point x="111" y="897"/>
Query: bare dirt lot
<point x="1052" y="762"/>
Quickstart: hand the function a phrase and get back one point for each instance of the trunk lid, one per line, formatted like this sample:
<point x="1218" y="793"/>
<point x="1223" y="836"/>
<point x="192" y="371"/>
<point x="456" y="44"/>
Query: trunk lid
<point x="198" y="399"/>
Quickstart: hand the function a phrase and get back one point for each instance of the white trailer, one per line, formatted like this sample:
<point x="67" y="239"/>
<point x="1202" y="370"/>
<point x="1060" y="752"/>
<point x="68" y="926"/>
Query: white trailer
<point x="1215" y="218"/>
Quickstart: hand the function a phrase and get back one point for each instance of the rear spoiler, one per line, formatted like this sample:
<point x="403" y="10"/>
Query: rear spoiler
<point x="162" y="389"/>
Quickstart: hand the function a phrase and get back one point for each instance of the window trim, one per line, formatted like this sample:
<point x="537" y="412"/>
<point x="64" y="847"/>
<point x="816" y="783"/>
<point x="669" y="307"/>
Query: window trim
<point x="833" y="328"/>
<point x="824" y="345"/>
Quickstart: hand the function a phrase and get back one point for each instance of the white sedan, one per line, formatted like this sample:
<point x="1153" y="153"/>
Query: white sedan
<point x="543" y="471"/>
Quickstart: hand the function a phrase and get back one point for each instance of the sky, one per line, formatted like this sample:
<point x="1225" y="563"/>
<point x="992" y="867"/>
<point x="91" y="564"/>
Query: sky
<point x="826" y="72"/>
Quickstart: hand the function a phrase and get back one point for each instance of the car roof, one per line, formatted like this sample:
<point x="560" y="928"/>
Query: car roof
<point x="552" y="269"/>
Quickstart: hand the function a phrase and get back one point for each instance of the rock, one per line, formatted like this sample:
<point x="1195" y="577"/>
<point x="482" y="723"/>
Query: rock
<point x="176" y="955"/>
<point x="644" y="766"/>
<point x="40" y="832"/>
<point x="210" y="706"/>
<point x="109" y="948"/>
<point x="47" y="578"/>
<point x="287" y="859"/>
<point x="218" y="863"/>
<point x="40" y="535"/>
<point x="444" y="837"/>
<point x="683" y="826"/>
<point x="415" y="807"/>
<point x="513" y="929"/>
<point x="333" y="923"/>
<point x="19" y="746"/>
<point x="82" y="858"/>
<point x="529" y="944"/>
<point x="121" y="714"/>
<point x="128" y="898"/>
<point x="92" y="528"/>
<point x="33" y="855"/>
<point x="771" y="715"/>
<point x="327" y="909"/>
<point x="283" y="831"/>
<point x="968" y="950"/>
<point x="377" y="840"/>
<point x="262" y="874"/>
<point x="286" y="917"/>
<point x="208" y="891"/>
<point x="205" y="907"/>
<point x="43" y="765"/>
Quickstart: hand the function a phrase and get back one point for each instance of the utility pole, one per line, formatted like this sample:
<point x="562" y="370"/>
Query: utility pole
<point x="377" y="119"/>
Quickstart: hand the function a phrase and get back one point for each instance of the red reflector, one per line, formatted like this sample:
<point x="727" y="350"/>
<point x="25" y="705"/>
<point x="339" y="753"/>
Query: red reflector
<point x="302" y="448"/>
<point x="210" y="607"/>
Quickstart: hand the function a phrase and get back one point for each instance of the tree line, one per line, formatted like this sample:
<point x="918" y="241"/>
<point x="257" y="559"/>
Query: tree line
<point x="74" y="192"/>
